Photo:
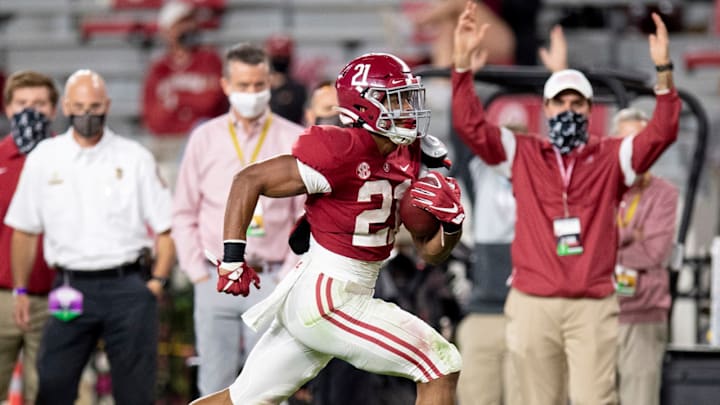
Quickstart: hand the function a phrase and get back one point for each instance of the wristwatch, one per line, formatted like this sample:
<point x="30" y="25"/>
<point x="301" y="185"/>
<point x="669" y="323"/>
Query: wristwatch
<point x="162" y="280"/>
<point x="19" y="291"/>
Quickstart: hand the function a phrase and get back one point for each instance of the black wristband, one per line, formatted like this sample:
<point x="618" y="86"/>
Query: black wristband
<point x="234" y="251"/>
<point x="450" y="228"/>
<point x="664" y="68"/>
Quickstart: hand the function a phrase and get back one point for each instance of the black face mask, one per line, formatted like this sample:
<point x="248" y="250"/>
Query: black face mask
<point x="280" y="64"/>
<point x="88" y="125"/>
<point x="28" y="128"/>
<point x="329" y="120"/>
<point x="568" y="130"/>
<point x="189" y="39"/>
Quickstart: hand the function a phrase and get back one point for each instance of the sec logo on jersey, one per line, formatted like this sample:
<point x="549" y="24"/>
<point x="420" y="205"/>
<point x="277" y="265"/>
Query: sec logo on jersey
<point x="363" y="170"/>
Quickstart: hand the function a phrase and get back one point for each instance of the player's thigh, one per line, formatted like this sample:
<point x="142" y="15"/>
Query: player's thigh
<point x="384" y="338"/>
<point x="277" y="366"/>
<point x="342" y="319"/>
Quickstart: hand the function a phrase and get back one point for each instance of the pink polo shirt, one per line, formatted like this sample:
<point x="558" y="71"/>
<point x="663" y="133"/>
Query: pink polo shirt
<point x="209" y="163"/>
<point x="654" y="216"/>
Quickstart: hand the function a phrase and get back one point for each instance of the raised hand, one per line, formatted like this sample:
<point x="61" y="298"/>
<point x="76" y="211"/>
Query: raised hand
<point x="659" y="42"/>
<point x="468" y="38"/>
<point x="554" y="58"/>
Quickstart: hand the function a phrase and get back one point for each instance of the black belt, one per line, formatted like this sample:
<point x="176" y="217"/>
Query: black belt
<point x="113" y="272"/>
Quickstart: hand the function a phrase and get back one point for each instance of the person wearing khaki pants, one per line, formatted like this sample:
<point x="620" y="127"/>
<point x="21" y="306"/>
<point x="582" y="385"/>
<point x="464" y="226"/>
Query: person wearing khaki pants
<point x="646" y="224"/>
<point x="562" y="310"/>
<point x="12" y="338"/>
<point x="487" y="377"/>
<point x="30" y="105"/>
<point x="552" y="338"/>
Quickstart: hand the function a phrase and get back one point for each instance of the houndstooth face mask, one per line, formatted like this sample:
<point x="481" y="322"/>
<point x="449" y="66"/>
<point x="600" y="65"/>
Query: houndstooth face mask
<point x="28" y="128"/>
<point x="568" y="130"/>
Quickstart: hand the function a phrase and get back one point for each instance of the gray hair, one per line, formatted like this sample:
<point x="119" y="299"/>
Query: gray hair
<point x="627" y="114"/>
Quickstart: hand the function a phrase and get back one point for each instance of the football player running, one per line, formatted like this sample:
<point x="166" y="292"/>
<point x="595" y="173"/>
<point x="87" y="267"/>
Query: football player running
<point x="354" y="178"/>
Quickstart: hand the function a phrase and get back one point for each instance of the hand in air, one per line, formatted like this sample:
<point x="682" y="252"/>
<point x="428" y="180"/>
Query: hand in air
<point x="554" y="58"/>
<point x="468" y="37"/>
<point x="659" y="42"/>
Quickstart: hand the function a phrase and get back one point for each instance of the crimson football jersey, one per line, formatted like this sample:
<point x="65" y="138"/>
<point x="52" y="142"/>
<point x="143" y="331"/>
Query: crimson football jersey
<point x="359" y="217"/>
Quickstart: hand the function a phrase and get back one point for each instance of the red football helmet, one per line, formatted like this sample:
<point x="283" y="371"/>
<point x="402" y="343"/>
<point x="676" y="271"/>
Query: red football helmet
<point x="378" y="92"/>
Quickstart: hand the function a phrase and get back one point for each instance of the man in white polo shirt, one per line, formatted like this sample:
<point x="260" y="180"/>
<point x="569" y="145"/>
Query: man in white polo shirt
<point x="94" y="195"/>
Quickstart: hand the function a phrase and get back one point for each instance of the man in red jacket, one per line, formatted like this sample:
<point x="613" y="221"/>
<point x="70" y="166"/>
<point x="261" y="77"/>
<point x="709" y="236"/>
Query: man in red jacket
<point x="30" y="99"/>
<point x="562" y="311"/>
<point x="183" y="86"/>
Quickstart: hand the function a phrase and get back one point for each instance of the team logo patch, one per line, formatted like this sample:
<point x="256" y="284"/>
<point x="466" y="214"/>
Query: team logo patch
<point x="55" y="179"/>
<point x="363" y="170"/>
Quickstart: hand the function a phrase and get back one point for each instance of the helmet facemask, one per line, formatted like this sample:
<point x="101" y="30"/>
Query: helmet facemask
<point x="379" y="93"/>
<point x="403" y="116"/>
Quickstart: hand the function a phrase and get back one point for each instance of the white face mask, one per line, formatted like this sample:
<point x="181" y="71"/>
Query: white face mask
<point x="250" y="105"/>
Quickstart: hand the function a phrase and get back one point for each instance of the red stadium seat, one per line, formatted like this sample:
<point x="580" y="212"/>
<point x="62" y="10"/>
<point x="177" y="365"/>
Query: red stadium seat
<point x="136" y="4"/>
<point x="115" y="24"/>
<point x="694" y="60"/>
<point x="211" y="4"/>
<point x="91" y="27"/>
<point x="706" y="58"/>
<point x="156" y="4"/>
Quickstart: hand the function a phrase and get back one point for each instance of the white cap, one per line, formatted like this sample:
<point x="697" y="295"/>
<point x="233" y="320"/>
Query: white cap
<point x="568" y="79"/>
<point x="172" y="12"/>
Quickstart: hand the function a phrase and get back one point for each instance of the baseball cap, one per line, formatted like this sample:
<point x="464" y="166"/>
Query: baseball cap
<point x="172" y="12"/>
<point x="568" y="79"/>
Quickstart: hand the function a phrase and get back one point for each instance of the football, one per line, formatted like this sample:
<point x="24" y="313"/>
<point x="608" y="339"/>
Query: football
<point x="419" y="222"/>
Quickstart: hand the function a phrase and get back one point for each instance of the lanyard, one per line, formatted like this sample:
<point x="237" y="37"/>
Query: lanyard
<point x="258" y="146"/>
<point x="630" y="212"/>
<point x="566" y="175"/>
